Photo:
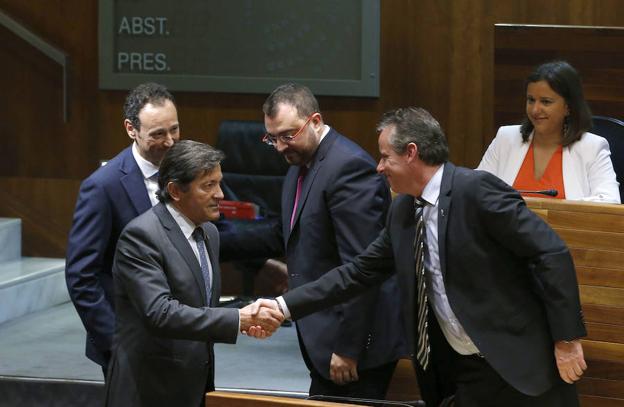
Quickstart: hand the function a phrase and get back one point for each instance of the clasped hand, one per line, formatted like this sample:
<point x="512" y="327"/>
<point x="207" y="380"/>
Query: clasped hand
<point x="260" y="319"/>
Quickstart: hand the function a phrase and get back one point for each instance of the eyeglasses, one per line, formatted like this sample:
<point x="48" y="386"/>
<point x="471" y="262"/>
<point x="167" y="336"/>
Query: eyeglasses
<point x="285" y="138"/>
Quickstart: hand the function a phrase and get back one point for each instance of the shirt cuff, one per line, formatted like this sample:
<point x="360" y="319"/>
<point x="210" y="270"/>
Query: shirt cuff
<point x="284" y="308"/>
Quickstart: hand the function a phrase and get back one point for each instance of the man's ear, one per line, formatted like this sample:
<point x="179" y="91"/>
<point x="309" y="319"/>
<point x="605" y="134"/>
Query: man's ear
<point x="317" y="120"/>
<point x="130" y="129"/>
<point x="174" y="190"/>
<point x="411" y="151"/>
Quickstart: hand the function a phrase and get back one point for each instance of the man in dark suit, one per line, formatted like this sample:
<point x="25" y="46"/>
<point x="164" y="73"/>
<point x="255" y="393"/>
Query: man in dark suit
<point x="493" y="315"/>
<point x="167" y="283"/>
<point x="109" y="198"/>
<point x="333" y="206"/>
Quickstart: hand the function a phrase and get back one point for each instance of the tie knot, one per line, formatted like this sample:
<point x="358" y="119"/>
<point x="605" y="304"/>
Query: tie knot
<point x="198" y="234"/>
<point x="419" y="203"/>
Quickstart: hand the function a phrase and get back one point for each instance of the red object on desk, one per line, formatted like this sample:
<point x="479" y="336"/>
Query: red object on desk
<point x="238" y="210"/>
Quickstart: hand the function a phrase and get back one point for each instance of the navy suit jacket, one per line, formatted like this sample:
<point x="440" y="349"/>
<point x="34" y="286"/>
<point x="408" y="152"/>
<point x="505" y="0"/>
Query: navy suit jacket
<point x="108" y="199"/>
<point x="341" y="210"/>
<point x="163" y="345"/>
<point x="509" y="278"/>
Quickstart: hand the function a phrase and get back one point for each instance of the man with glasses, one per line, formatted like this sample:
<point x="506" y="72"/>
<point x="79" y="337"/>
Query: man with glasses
<point x="110" y="198"/>
<point x="333" y="205"/>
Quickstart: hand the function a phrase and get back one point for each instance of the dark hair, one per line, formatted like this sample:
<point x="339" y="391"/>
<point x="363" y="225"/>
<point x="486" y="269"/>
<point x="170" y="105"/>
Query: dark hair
<point x="140" y="96"/>
<point x="291" y="94"/>
<point x="416" y="125"/>
<point x="564" y="80"/>
<point x="183" y="162"/>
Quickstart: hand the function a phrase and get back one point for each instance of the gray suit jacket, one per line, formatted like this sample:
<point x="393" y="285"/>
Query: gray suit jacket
<point x="165" y="330"/>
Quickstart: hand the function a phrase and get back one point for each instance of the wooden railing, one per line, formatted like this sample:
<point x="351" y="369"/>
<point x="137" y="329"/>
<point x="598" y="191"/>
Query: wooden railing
<point x="47" y="49"/>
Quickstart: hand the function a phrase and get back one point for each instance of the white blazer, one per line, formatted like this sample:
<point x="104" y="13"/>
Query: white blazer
<point x="587" y="168"/>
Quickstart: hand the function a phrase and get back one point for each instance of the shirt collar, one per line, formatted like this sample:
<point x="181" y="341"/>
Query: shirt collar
<point x="147" y="168"/>
<point x="432" y="190"/>
<point x="326" y="130"/>
<point x="185" y="223"/>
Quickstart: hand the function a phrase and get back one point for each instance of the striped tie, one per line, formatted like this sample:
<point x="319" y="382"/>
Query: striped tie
<point x="422" y="349"/>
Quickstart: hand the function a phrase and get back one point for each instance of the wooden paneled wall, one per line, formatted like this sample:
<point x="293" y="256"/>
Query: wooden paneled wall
<point x="438" y="54"/>
<point x="597" y="53"/>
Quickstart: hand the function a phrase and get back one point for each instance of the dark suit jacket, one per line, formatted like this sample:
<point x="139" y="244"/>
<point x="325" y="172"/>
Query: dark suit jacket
<point x="165" y="330"/>
<point x="509" y="278"/>
<point x="341" y="209"/>
<point x="108" y="199"/>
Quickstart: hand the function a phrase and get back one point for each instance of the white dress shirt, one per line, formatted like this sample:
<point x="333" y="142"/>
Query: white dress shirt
<point x="436" y="292"/>
<point x="188" y="228"/>
<point x="149" y="172"/>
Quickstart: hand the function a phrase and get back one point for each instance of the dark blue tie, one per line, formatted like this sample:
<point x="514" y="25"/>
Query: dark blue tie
<point x="198" y="235"/>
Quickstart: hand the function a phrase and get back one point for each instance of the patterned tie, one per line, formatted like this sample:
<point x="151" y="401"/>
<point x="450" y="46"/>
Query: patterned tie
<point x="303" y="170"/>
<point x="422" y="349"/>
<point x="198" y="235"/>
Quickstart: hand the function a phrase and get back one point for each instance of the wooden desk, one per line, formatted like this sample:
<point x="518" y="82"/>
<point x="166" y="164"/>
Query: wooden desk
<point x="595" y="235"/>
<point x="222" y="398"/>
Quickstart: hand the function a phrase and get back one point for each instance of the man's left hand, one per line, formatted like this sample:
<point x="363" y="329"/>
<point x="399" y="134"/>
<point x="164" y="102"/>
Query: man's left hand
<point x="570" y="360"/>
<point x="343" y="370"/>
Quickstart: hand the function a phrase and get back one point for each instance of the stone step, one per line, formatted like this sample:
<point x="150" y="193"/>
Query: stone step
<point x="10" y="239"/>
<point x="26" y="391"/>
<point x="31" y="284"/>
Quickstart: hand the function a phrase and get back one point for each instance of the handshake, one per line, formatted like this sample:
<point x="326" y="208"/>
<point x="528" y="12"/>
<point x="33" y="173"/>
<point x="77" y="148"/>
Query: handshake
<point x="261" y="318"/>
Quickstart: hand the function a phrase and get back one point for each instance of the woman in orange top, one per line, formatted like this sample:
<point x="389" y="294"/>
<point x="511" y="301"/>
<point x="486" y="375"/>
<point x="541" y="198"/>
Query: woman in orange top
<point x="552" y="148"/>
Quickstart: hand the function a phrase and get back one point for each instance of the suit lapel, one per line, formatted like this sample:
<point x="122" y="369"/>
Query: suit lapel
<point x="407" y="234"/>
<point x="515" y="159"/>
<point x="315" y="166"/>
<point x="182" y="245"/>
<point x="571" y="176"/>
<point x="444" y="205"/>
<point x="288" y="199"/>
<point x="133" y="183"/>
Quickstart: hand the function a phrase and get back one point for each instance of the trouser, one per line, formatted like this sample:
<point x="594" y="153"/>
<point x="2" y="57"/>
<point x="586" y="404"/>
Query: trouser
<point x="479" y="385"/>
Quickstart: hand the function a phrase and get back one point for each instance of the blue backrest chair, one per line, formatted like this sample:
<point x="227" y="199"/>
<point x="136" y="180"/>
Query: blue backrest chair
<point x="252" y="170"/>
